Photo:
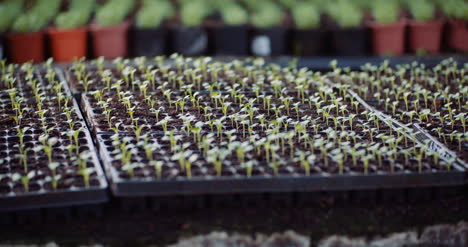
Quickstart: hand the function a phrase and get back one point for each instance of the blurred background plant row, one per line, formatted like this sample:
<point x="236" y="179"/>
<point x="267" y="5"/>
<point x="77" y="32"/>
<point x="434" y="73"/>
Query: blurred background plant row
<point x="116" y="28"/>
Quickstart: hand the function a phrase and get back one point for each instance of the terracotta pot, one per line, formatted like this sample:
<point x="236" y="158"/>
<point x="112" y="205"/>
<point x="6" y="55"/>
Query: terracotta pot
<point x="25" y="47"/>
<point x="66" y="45"/>
<point x="425" y="36"/>
<point x="388" y="39"/>
<point x="458" y="35"/>
<point x="110" y="42"/>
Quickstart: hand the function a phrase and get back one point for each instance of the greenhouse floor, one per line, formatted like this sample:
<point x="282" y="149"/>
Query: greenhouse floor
<point x="119" y="226"/>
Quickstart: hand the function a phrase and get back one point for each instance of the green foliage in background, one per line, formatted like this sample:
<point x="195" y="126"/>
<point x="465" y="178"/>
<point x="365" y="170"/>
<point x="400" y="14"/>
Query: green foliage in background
<point x="346" y="14"/>
<point x="261" y="13"/>
<point x="78" y="15"/>
<point x="268" y="15"/>
<point x="84" y="5"/>
<point x="48" y="9"/>
<point x="30" y="22"/>
<point x="421" y="10"/>
<point x="71" y="19"/>
<point x="38" y="17"/>
<point x="306" y="15"/>
<point x="194" y="12"/>
<point x="288" y="4"/>
<point x="153" y="13"/>
<point x="254" y="5"/>
<point x="363" y="4"/>
<point x="386" y="11"/>
<point x="234" y="15"/>
<point x="456" y="9"/>
<point x="9" y="10"/>
<point x="114" y="12"/>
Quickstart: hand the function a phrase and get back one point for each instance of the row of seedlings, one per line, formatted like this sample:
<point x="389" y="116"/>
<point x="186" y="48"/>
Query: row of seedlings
<point x="432" y="99"/>
<point x="196" y="126"/>
<point x="47" y="157"/>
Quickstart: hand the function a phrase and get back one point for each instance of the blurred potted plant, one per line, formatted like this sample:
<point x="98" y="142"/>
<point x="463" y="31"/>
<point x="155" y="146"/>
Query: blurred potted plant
<point x="231" y="37"/>
<point x="149" y="37"/>
<point x="269" y="36"/>
<point x="190" y="38"/>
<point x="26" y="41"/>
<point x="388" y="30"/>
<point x="425" y="31"/>
<point x="9" y="10"/>
<point x="310" y="39"/>
<point x="68" y="38"/>
<point x="349" y="37"/>
<point x="457" y="12"/>
<point x="109" y="31"/>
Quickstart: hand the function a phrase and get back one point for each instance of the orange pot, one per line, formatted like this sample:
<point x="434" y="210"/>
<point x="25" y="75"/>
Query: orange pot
<point x="25" y="47"/>
<point x="388" y="39"/>
<point x="425" y="36"/>
<point x="458" y="35"/>
<point x="110" y="42"/>
<point x="67" y="45"/>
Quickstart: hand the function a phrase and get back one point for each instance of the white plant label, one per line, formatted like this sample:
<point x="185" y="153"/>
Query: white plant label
<point x="261" y="46"/>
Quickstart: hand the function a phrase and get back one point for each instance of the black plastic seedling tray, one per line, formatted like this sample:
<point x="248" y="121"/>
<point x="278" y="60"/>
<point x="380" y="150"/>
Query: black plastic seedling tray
<point x="220" y="185"/>
<point x="355" y="182"/>
<point x="33" y="200"/>
<point x="95" y="194"/>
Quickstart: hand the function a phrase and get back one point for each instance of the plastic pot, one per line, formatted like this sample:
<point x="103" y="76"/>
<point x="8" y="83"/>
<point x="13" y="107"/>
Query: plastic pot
<point x="310" y="42"/>
<point x="230" y="40"/>
<point x="2" y="46"/>
<point x="269" y="41"/>
<point x="25" y="47"/>
<point x="190" y="41"/>
<point x="425" y="36"/>
<point x="67" y="45"/>
<point x="110" y="42"/>
<point x="349" y="41"/>
<point x="458" y="35"/>
<point x="388" y="39"/>
<point x="148" y="42"/>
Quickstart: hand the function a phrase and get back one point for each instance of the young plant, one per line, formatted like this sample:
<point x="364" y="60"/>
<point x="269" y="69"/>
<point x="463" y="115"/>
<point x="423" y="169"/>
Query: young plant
<point x="25" y="179"/>
<point x="158" y="166"/>
<point x="47" y="145"/>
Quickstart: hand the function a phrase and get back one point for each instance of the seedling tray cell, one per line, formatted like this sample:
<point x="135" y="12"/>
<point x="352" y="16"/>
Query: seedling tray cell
<point x="41" y="163"/>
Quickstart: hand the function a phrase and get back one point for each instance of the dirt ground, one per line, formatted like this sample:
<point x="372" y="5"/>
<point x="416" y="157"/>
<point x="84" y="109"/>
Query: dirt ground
<point x="120" y="225"/>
